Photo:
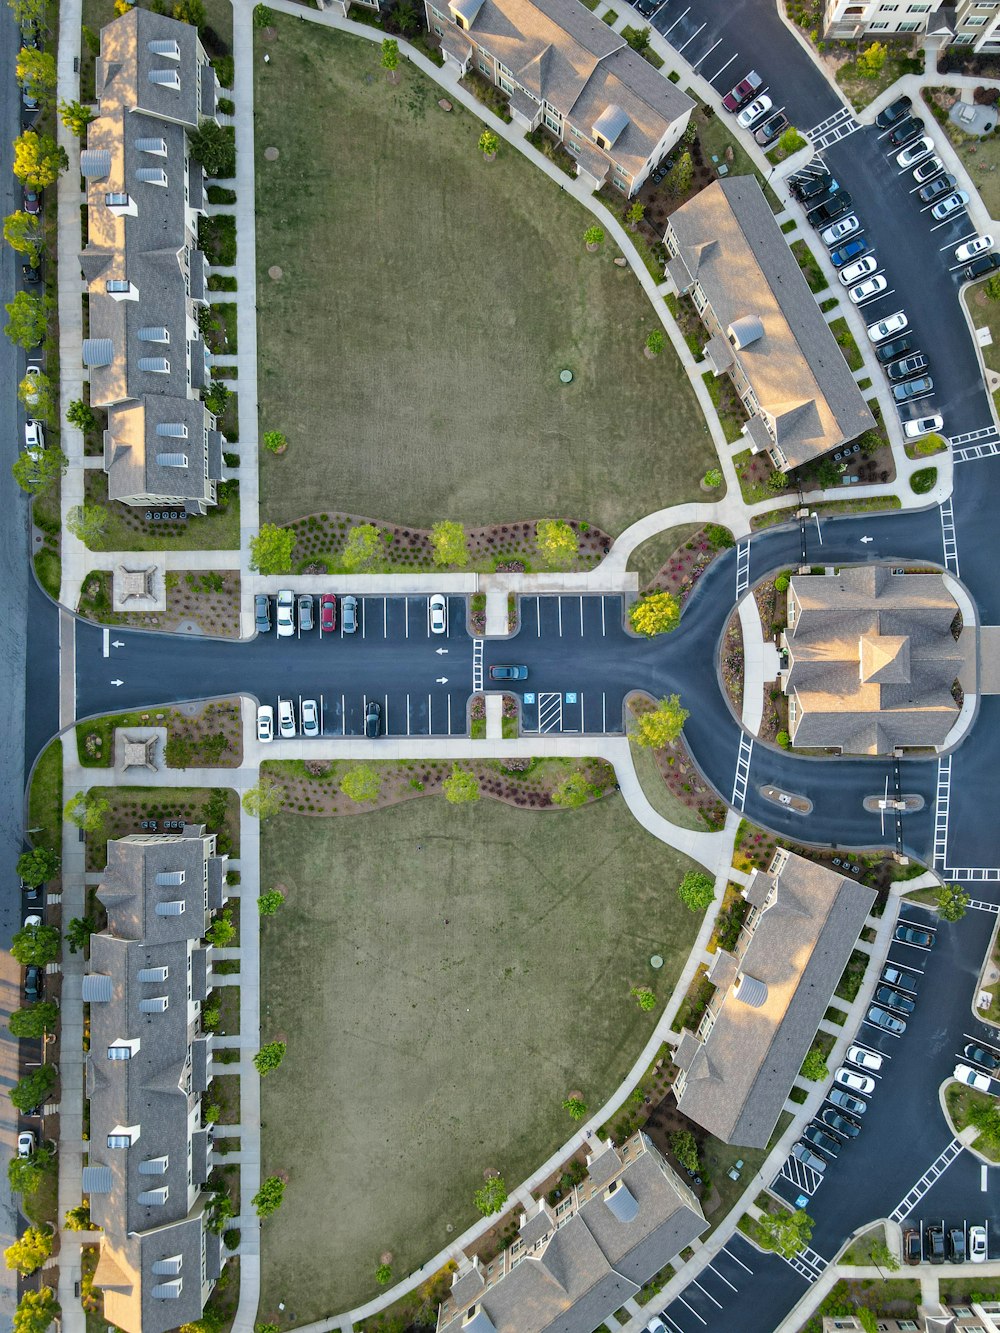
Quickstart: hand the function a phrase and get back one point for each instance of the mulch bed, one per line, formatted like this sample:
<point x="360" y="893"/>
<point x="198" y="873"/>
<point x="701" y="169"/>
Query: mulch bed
<point x="211" y="600"/>
<point x="732" y="662"/>
<point x="756" y="847"/>
<point x="129" y="808"/>
<point x="678" y="771"/>
<point x="684" y="567"/>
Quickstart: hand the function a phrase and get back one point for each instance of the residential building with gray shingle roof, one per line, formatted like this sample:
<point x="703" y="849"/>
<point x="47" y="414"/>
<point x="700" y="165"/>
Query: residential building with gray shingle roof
<point x="768" y="334"/>
<point x="873" y="654"/>
<point x="148" y="1064"/>
<point x="737" y="1069"/>
<point x="146" y="278"/>
<point x="564" y="69"/>
<point x="573" y="1264"/>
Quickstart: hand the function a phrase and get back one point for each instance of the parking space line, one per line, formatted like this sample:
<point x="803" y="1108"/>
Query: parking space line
<point x="693" y="1311"/>
<point x="363" y="616"/>
<point x="714" y="76"/>
<point x="385" y="717"/>
<point x="559" y="602"/>
<point x="322" y="714"/>
<point x="581" y="615"/>
<point x="604" y="712"/>
<point x="449" y="714"/>
<point x="343" y="716"/>
<point x="885" y="1030"/>
<point x="407" y="715"/>
<point x="676" y="21"/>
<point x="406" y="609"/>
<point x="604" y="628"/>
<point x="721" y="1278"/>
<point x="732" y="1256"/>
<point x="707" y="54"/>
<point x="962" y="241"/>
<point x="696" y="1283"/>
<point x="385" y="617"/>
<point x="679" y="49"/>
<point x="538" y="616"/>
<point x="672" y="1325"/>
<point x="430" y="716"/>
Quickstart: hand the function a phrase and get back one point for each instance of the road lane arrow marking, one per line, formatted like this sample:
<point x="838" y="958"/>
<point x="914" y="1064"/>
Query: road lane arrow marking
<point x="867" y="539"/>
<point x="441" y="650"/>
<point x="117" y="643"/>
<point x="442" y="680"/>
<point x="117" y="682"/>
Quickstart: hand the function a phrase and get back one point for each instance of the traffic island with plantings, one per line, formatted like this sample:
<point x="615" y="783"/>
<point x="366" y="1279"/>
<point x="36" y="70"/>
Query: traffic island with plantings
<point x="686" y="563"/>
<point x="161" y="810"/>
<point x="966" y="1106"/>
<point x="463" y="420"/>
<point x="445" y="931"/>
<point x="925" y="448"/>
<point x="198" y="735"/>
<point x="128" y="529"/>
<point x="983" y="304"/>
<point x="200" y="601"/>
<point x="682" y="779"/>
<point x="755" y="848"/>
<point x="732" y="662"/>
<point x="477" y="717"/>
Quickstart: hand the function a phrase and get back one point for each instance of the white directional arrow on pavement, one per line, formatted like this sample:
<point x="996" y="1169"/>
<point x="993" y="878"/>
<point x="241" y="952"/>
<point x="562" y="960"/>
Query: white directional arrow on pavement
<point x="441" y="650"/>
<point x="867" y="539"/>
<point x="117" y="682"/>
<point x="117" y="643"/>
<point x="442" y="680"/>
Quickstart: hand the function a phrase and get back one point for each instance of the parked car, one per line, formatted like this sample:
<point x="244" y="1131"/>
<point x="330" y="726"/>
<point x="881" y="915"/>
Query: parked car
<point x="956" y="1245"/>
<point x="33" y="983"/>
<point x="839" y="203"/>
<point x="845" y="227"/>
<point x="34" y="436"/>
<point x="895" y="976"/>
<point x="804" y="1154"/>
<point x="373" y="719"/>
<point x="913" y="431"/>
<point x="847" y="1101"/>
<point x="941" y="185"/>
<point x="852" y="250"/>
<point x="771" y="129"/>
<point x="305" y="612"/>
<point x="437" y="607"/>
<point x="906" y="367"/>
<point x="905" y="393"/>
<point x="855" y="1082"/>
<point x="972" y="1078"/>
<point x="905" y="131"/>
<point x="978" y="1245"/>
<point x="893" y="113"/>
<point x="262" y="612"/>
<point x="29" y="98"/>
<point x="31" y="201"/>
<point x="819" y="1139"/>
<point x="885" y="328"/>
<point x="915" y="152"/>
<point x="981" y="266"/>
<point x="31" y="274"/>
<point x="286" y="719"/>
<point x="934" y="1243"/>
<point x="886" y="1021"/>
<point x="508" y="673"/>
<point x="26" y="1143"/>
<point x="310" y="718"/>
<point x="32" y="919"/>
<point x="29" y="34"/>
<point x="744" y="91"/>
<point x="890" y="351"/>
<point x="864" y="291"/>
<point x="647" y="8"/>
<point x="972" y="248"/>
<point x="349" y="614"/>
<point x="841" y="1123"/>
<point x="265" y="724"/>
<point x="327" y="613"/>
<point x="954" y="203"/>
<point x="813" y="187"/>
<point x="286" y="614"/>
<point x="751" y="113"/>
<point x="656" y="1325"/>
<point x="895" y="1000"/>
<point x="32" y="374"/>
<point x="859" y="269"/>
<point x="911" y="1246"/>
<point x="927" y="170"/>
<point x="981" y="1056"/>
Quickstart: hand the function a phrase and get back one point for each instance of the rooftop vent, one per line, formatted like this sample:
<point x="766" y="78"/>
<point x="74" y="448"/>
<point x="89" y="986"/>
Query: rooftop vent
<point x="154" y="333"/>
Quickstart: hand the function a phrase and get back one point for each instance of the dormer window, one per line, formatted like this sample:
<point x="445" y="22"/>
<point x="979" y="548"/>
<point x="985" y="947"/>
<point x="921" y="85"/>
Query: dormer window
<point x="153" y="973"/>
<point x="155" y="365"/>
<point x="123" y="1050"/>
<point x="121" y="203"/>
<point x="170" y="877"/>
<point x="155" y="333"/>
<point x="158" y="147"/>
<point x="156" y="1197"/>
<point x="156" y="1004"/>
<point x="165" y="78"/>
<point x="151" y="175"/>
<point x="175" y="907"/>
<point x="154" y="1166"/>
<point x="123" y="1136"/>
<point x="164" y="46"/>
<point x="120" y="289"/>
<point x="172" y="460"/>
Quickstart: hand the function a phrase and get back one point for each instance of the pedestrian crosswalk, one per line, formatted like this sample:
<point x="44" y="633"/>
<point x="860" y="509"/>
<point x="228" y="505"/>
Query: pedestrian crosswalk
<point x="833" y="129"/>
<point x="974" y="444"/>
<point x="807" y="1263"/>
<point x="930" y="1177"/>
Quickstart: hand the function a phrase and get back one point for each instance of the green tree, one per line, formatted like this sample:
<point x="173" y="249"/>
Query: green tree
<point x="29" y="1253"/>
<point x="21" y="232"/>
<point x="37" y="68"/>
<point x="576" y="1108"/>
<point x="882" y="1257"/>
<point x="782" y="582"/>
<point x="661" y="724"/>
<point x="35" y="1021"/>
<point x="985" y="1116"/>
<point x="78" y="933"/>
<point x="29" y="1091"/>
<point x="790" y="142"/>
<point x="784" y="740"/>
<point x="38" y="865"/>
<point x="27" y="12"/>
<point x="659" y="613"/>
<point x="270" y="902"/>
<point x="221" y="1207"/>
<point x="713" y="478"/>
<point x="951" y="902"/>
<point x="814" y="1066"/>
<point x="362" y="783"/>
<point x="867" y="1319"/>
<point x="80" y="415"/>
<point x="383" y="1275"/>
<point x="390" y="56"/>
<point x="221" y="931"/>
<point x="268" y="1198"/>
<point x="275" y="441"/>
<point x="643" y="997"/>
<point x="38" y="160"/>
<point x="656" y="340"/>
<point x="88" y="523"/>
<point x="593" y="237"/>
<point x="785" y="1233"/>
<point x="264" y="800"/>
<point x="78" y="1219"/>
<point x="635" y="213"/>
<point x="36" y="394"/>
<point x="491" y="1197"/>
<point x="90" y="37"/>
<point x="696" y="890"/>
<point x="27" y="319"/>
<point x="263" y="17"/>
<point x="269" y="1057"/>
<point x="993" y="287"/>
<point x="364" y="548"/>
<point x="685" y="1148"/>
<point x="37" y="472"/>
<point x="76" y="117"/>
<point x="36" y="1310"/>
<point x="88" y="811"/>
<point x="214" y="147"/>
<point x="489" y="143"/>
<point x="682" y="175"/>
<point x="556" y="541"/>
<point x="639" y="40"/>
<point x="574" y="791"/>
<point x="216" y="397"/>
<point x="450" y="544"/>
<point x="271" y="549"/>
<point x="870" y="61"/>
<point x="36" y="946"/>
<point x="461" y="786"/>
<point x="190" y="11"/>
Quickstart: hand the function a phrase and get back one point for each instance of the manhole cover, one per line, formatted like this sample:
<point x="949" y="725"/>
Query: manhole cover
<point x="566" y="377"/>
<point x="656" y="961"/>
<point x="271" y="154"/>
<point x="275" y="272"/>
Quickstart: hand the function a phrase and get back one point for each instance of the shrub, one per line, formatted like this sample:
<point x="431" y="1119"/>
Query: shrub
<point x="696" y="890"/>
<point x="492" y="1197"/>
<point x="781" y="582"/>
<point x="643" y="997"/>
<point x="923" y="480"/>
<point x="362" y="783"/>
<point x="656" y="341"/>
<point x="593" y="235"/>
<point x="814" y="1067"/>
<point x="685" y="1149"/>
<point x="274" y="440"/>
<point x="659" y="613"/>
<point x="489" y="143"/>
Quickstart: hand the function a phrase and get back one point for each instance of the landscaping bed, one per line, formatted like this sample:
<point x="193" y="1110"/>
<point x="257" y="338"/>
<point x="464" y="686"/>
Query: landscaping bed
<point x="199" y="735"/>
<point x="732" y="663"/>
<point x="682" y="778"/>
<point x="870" y="504"/>
<point x="758" y="477"/>
<point x="895" y="1298"/>
<point x="755" y="848"/>
<point x="217" y="808"/>
<point x="477" y="717"/>
<point x="209" y="601"/>
<point x="904" y="57"/>
<point x="810" y="267"/>
<point x="129" y="530"/>
<point x="728" y="408"/>
<point x="45" y="803"/>
<point x="688" y="561"/>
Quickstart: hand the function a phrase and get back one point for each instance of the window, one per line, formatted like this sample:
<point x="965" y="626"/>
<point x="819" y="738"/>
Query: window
<point x="484" y="67"/>
<point x="552" y="123"/>
<point x="918" y="9"/>
<point x="619" y="185"/>
<point x="908" y="27"/>
<point x="877" y="27"/>
<point x="888" y="9"/>
<point x="976" y="22"/>
<point x="114" y="285"/>
<point x="907" y="1326"/>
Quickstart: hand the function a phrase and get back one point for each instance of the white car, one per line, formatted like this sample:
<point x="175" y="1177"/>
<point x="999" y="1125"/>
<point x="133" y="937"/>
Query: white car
<point x="286" y="719"/>
<point x="437" y="607"/>
<point x="34" y="436"/>
<point x="863" y="1058"/>
<point x="849" y="1078"/>
<point x="911" y="155"/>
<point x="885" y="328"/>
<point x="972" y="248"/>
<point x="33" y="919"/>
<point x="973" y="1078"/>
<point x="310" y="717"/>
<point x="922" y="426"/>
<point x="978" y="1245"/>
<point x="32" y="373"/>
<point x="845" y="227"/>
<point x="286" y="614"/>
<point x="859" y="269"/>
<point x="953" y="203"/>
<point x="864" y="291"/>
<point x="760" y="107"/>
<point x="25" y="1143"/>
<point x="928" y="168"/>
<point x="656" y="1325"/>
<point x="265" y="724"/>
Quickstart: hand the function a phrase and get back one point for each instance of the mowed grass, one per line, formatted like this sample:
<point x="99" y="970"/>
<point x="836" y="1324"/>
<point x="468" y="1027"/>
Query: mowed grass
<point x="444" y="977"/>
<point x="411" y="350"/>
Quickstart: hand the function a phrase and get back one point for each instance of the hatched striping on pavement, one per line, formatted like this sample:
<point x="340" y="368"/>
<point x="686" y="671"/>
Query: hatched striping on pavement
<point x="742" y="569"/>
<point x="948" y="536"/>
<point x="972" y="874"/>
<point x="833" y="129"/>
<point x="941" y="806"/>
<point x="477" y="666"/>
<point x="803" y="1177"/>
<point x="930" y="1177"/>
<point x="974" y="444"/>
<point x="742" y="771"/>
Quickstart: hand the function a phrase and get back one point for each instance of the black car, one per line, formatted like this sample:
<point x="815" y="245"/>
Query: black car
<point x="894" y="1000"/>
<point x="915" y="364"/>
<point x="982" y="265"/>
<point x="911" y="1246"/>
<point x="771" y="129"/>
<point x="841" y="1123"/>
<point x="981" y="1056"/>
<point x="940" y="185"/>
<point x="820" y="1139"/>
<point x="262" y="612"/>
<point x="889" y="351"/>
<point x="31" y="273"/>
<point x="956" y="1245"/>
<point x="896" y="111"/>
<point x="811" y="187"/>
<point x="373" y="719"/>
<point x="934" y="1244"/>
<point x="647" y="8"/>
<point x="905" y="131"/>
<point x="914" y="935"/>
<point x="895" y="976"/>
<point x="839" y="203"/>
<point x="33" y="983"/>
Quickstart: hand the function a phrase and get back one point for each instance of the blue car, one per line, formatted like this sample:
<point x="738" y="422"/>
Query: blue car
<point x="848" y="252"/>
<point x="508" y="673"/>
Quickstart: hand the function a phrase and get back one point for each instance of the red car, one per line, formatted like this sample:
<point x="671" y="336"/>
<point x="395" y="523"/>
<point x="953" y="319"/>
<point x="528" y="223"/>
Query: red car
<point x="32" y="202"/>
<point x="744" y="92"/>
<point x="327" y="613"/>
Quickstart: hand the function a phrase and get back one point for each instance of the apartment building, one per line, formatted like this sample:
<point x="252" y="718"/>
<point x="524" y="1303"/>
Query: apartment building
<point x="146" y="278"/>
<point x="845" y="20"/>
<point x="148" y="1064"/>
<point x="977" y="1317"/>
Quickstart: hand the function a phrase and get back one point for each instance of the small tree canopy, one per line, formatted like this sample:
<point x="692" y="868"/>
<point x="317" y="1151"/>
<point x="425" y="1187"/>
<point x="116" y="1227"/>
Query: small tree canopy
<point x="364" y="548"/>
<point x="264" y="800"/>
<point x="190" y="11"/>
<point x="785" y="1233"/>
<point x="270" y="902"/>
<point x="662" y="724"/>
<point x="460" y="786"/>
<point x="78" y="1219"/>
<point x="362" y="783"/>
<point x="682" y="175"/>
<point x="221" y="931"/>
<point x="574" y="791"/>
<point x="685" y="1149"/>
<point x="27" y="315"/>
<point x="593" y="235"/>
<point x="696" y="890"/>
<point x="38" y="160"/>
<point x="450" y="544"/>
<point x="38" y="865"/>
<point x="29" y="1091"/>
<point x="659" y="613"/>
<point x="30" y="1252"/>
<point x="656" y="340"/>
<point x="576" y="1108"/>
<point x="29" y="11"/>
<point x="36" y="1310"/>
<point x="37" y="69"/>
<point x="88" y="811"/>
<point x="390" y="54"/>
<point x="34" y="1021"/>
<point x="215" y="148"/>
<point x="268" y="1198"/>
<point x="814" y="1067"/>
<point x="80" y="415"/>
<point x="643" y="997"/>
<point x="556" y="541"/>
<point x="271" y="549"/>
<point x="489" y="143"/>
<point x="21" y="232"/>
<point x="36" y="472"/>
<point x="36" y="946"/>
<point x="36" y="394"/>
<point x="88" y="523"/>
<point x="274" y="441"/>
<point x="952" y="902"/>
<point x="76" y="117"/>
<point x="383" y="1275"/>
<point x="269" y="1057"/>
<point x="870" y="61"/>
<point x="491" y="1197"/>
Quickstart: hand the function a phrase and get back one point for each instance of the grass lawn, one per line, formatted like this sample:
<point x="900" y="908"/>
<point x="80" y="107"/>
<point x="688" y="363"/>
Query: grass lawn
<point x="809" y="265"/>
<point x="425" y="383"/>
<point x="860" y="91"/>
<point x="473" y="969"/>
<point x="45" y="801"/>
<point x="985" y="314"/>
<point x="659" y="795"/>
<point x="650" y="556"/>
<point x="128" y="530"/>
<point x="719" y="139"/>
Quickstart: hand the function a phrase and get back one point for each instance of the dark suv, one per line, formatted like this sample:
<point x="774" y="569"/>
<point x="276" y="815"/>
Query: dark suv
<point x="905" y="131"/>
<point x="839" y="203"/>
<point x="841" y="1123"/>
<point x="904" y="370"/>
<point x="890" y="351"/>
<point x="911" y="1246"/>
<point x="982" y="265"/>
<point x="893" y="113"/>
<point x="32" y="983"/>
<point x="956" y="1245"/>
<point x="934" y="1243"/>
<point x="892" y="999"/>
<point x="942" y="185"/>
<point x="820" y="1139"/>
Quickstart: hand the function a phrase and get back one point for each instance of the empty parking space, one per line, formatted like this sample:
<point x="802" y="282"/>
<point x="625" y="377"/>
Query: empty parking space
<point x="570" y="617"/>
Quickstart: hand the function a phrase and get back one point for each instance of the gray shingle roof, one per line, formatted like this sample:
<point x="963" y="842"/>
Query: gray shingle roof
<point x="141" y="460"/>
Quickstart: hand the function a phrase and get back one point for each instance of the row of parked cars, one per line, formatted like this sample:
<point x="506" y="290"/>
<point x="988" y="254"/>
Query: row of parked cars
<point x="955" y="1244"/>
<point x="284" y="722"/>
<point x="754" y="109"/>
<point x="292" y="611"/>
